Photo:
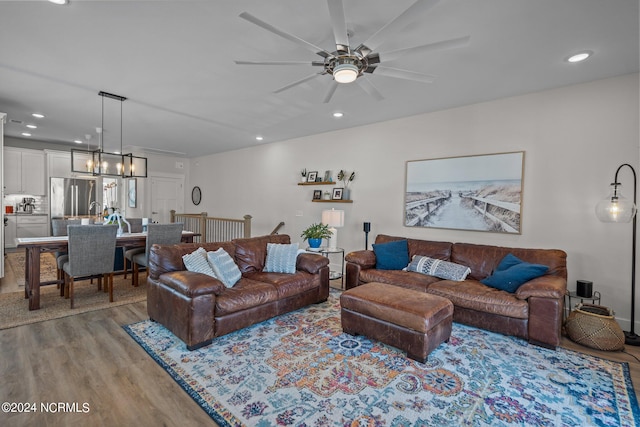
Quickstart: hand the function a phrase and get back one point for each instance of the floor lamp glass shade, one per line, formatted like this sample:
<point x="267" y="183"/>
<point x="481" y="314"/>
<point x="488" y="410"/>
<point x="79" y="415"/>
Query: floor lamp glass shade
<point x="334" y="219"/>
<point x="616" y="207"/>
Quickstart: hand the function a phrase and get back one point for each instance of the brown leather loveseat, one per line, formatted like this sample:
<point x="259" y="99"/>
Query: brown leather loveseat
<point x="532" y="312"/>
<point x="197" y="307"/>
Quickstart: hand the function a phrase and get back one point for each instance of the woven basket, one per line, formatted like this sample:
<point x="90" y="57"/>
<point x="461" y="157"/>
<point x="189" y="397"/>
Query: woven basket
<point x="595" y="326"/>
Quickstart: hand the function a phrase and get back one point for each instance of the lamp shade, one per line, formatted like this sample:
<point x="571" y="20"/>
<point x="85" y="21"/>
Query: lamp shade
<point x="333" y="218"/>
<point x="615" y="208"/>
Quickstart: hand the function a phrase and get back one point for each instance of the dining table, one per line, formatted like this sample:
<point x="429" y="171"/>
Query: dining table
<point x="34" y="246"/>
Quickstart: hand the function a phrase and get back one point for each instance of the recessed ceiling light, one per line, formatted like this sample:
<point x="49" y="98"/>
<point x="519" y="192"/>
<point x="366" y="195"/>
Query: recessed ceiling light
<point x="259" y="138"/>
<point x="38" y="115"/>
<point x="580" y="56"/>
<point x="32" y="126"/>
<point x="77" y="141"/>
<point x="59" y="1"/>
<point x="26" y="134"/>
<point x="338" y="114"/>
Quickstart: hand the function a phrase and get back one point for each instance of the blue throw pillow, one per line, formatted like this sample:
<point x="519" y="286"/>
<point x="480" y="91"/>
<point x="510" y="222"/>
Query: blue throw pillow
<point x="508" y="261"/>
<point x="392" y="255"/>
<point x="511" y="278"/>
<point x="281" y="258"/>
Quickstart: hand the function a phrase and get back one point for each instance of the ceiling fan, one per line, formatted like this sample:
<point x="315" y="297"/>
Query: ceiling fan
<point x="347" y="64"/>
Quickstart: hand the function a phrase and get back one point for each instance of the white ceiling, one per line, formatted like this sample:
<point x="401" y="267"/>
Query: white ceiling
<point x="174" y="61"/>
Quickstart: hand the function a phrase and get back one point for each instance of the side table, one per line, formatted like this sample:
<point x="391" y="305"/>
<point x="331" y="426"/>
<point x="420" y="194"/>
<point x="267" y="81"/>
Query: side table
<point x="595" y="299"/>
<point x="325" y="251"/>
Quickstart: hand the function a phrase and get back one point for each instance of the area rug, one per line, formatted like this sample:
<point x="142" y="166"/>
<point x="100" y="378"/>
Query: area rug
<point x="14" y="308"/>
<point x="299" y="369"/>
<point x="16" y="261"/>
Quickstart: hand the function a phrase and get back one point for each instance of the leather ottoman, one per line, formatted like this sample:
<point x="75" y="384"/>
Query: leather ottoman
<point x="412" y="321"/>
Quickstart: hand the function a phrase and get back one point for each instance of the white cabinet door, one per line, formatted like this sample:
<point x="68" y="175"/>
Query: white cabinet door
<point x="33" y="172"/>
<point x="12" y="171"/>
<point x="24" y="172"/>
<point x="10" y="232"/>
<point x="59" y="163"/>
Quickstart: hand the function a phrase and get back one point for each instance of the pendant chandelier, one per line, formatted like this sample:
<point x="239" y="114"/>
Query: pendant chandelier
<point x="106" y="163"/>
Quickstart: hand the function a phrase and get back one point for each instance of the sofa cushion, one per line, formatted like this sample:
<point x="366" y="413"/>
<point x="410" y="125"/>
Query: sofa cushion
<point x="287" y="285"/>
<point x="251" y="253"/>
<point x="512" y="272"/>
<point x="247" y="293"/>
<point x="391" y="255"/>
<point x="224" y="268"/>
<point x="438" y="268"/>
<point x="281" y="258"/>
<point x="473" y="295"/>
<point x="166" y="258"/>
<point x="404" y="279"/>
<point x="197" y="262"/>
<point x="430" y="248"/>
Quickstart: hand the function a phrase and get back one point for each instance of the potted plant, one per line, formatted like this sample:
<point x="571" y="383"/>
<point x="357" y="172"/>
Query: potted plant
<point x="303" y="175"/>
<point x="315" y="233"/>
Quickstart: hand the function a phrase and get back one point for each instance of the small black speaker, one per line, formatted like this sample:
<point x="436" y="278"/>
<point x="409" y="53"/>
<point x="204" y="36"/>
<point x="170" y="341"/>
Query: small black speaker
<point x="367" y="227"/>
<point x="584" y="289"/>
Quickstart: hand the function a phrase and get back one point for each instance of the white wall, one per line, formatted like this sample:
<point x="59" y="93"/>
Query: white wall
<point x="574" y="138"/>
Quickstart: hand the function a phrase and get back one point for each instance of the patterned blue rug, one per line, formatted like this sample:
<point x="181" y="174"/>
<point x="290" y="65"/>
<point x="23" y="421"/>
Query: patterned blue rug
<point x="300" y="370"/>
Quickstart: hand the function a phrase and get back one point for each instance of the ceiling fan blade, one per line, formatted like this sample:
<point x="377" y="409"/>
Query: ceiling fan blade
<point x="330" y="92"/>
<point x="403" y="74"/>
<point x="339" y="24"/>
<point x="399" y="22"/>
<point x="298" y="82"/>
<point x="431" y="47"/>
<point x="274" y="63"/>
<point x="297" y="40"/>
<point x="368" y="87"/>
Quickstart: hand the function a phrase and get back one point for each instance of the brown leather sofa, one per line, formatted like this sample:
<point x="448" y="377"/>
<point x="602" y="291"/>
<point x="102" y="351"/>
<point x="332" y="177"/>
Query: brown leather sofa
<point x="533" y="312"/>
<point x="197" y="308"/>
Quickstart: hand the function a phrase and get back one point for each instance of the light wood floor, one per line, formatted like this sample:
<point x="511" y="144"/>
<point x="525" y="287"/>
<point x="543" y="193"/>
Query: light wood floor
<point x="89" y="358"/>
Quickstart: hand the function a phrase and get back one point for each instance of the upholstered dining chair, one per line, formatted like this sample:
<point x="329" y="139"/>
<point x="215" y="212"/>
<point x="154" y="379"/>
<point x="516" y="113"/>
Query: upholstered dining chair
<point x="92" y="250"/>
<point x="161" y="234"/>
<point x="59" y="228"/>
<point x="135" y="227"/>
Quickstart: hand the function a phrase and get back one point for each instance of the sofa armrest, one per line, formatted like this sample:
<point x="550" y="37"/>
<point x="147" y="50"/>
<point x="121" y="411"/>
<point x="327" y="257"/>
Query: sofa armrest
<point x="191" y="284"/>
<point x="365" y="258"/>
<point x="311" y="263"/>
<point x="553" y="287"/>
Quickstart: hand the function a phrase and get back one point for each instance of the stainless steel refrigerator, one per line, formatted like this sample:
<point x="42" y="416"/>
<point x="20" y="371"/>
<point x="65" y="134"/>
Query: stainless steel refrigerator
<point x="73" y="197"/>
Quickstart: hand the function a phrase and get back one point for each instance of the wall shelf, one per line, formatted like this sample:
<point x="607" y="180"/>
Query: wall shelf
<point x="332" y="201"/>
<point x="317" y="183"/>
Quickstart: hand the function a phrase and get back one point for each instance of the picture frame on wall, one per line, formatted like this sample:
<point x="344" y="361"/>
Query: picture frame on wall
<point x="475" y="193"/>
<point x="311" y="176"/>
<point x="132" y="190"/>
<point x="317" y="194"/>
<point x="337" y="193"/>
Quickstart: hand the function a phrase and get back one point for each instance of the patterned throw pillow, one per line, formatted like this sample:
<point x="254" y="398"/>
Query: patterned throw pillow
<point x="224" y="267"/>
<point x="438" y="268"/>
<point x="281" y="258"/>
<point x="197" y="262"/>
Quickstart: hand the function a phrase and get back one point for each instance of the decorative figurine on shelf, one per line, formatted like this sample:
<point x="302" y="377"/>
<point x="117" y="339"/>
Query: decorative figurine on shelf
<point x="116" y="218"/>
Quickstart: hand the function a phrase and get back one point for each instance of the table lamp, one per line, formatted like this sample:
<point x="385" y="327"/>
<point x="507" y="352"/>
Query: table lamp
<point x="616" y="208"/>
<point x="334" y="219"/>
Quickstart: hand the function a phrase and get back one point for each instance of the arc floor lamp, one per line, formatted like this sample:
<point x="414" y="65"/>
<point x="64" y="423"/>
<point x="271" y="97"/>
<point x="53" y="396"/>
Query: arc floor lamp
<point x="616" y="208"/>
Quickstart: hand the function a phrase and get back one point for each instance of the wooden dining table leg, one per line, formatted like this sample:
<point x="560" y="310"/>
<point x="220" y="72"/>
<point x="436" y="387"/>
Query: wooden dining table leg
<point x="32" y="277"/>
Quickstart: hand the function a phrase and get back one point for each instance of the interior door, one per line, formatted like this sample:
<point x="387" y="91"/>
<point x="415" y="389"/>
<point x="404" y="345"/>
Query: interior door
<point x="166" y="194"/>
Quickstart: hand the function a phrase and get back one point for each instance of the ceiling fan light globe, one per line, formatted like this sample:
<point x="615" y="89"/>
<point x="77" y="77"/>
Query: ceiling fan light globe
<point x="345" y="73"/>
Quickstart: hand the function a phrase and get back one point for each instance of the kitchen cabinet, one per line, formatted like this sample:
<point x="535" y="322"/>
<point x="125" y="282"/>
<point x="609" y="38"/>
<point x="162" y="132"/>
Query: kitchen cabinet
<point x="10" y="232"/>
<point x="24" y="171"/>
<point x="59" y="164"/>
<point x="32" y="225"/>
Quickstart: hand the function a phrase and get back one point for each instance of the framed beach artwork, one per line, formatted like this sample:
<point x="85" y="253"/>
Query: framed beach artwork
<point x="478" y="193"/>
